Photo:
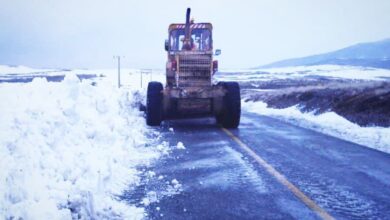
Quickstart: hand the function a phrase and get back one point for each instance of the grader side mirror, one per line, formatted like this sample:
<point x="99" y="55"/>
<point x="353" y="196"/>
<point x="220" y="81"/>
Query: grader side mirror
<point x="166" y="45"/>
<point x="217" y="52"/>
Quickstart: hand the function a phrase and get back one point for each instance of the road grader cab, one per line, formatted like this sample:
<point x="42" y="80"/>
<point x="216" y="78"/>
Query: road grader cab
<point x="189" y="91"/>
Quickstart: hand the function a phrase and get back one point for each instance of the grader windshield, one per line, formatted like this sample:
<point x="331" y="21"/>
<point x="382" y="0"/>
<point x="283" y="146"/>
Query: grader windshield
<point x="200" y="39"/>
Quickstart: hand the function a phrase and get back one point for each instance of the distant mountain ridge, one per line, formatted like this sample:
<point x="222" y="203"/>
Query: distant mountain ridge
<point x="372" y="54"/>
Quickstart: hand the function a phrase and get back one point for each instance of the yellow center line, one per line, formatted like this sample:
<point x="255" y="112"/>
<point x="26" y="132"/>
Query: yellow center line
<point x="281" y="178"/>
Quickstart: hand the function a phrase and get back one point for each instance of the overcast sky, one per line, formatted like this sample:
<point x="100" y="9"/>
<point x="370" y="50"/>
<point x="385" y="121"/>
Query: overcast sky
<point x="87" y="33"/>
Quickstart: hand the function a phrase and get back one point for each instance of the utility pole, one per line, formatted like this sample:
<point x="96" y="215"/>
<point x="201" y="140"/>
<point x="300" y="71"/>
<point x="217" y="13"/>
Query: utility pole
<point x="119" y="70"/>
<point x="141" y="77"/>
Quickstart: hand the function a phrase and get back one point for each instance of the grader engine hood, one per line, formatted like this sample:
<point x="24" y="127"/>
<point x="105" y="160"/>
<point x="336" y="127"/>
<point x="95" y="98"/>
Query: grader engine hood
<point x="193" y="69"/>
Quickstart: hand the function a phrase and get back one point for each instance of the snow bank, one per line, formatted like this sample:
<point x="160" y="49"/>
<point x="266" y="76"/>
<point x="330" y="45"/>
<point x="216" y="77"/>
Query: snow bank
<point x="68" y="148"/>
<point x="328" y="123"/>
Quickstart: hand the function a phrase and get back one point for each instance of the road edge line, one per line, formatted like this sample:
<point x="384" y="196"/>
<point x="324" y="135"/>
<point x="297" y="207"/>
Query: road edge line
<point x="281" y="178"/>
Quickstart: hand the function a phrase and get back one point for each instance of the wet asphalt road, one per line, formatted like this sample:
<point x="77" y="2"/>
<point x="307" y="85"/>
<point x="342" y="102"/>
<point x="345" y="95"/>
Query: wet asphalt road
<point x="218" y="180"/>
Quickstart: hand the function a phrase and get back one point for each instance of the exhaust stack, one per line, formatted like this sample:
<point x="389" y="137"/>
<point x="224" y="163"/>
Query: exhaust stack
<point x="187" y="40"/>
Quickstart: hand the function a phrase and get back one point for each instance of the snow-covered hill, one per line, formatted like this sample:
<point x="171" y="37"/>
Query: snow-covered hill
<point x="372" y="54"/>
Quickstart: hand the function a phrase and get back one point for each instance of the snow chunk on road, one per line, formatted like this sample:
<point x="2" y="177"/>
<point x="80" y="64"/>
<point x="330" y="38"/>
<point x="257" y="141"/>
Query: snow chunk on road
<point x="328" y="123"/>
<point x="68" y="148"/>
<point x="176" y="185"/>
<point x="180" y="146"/>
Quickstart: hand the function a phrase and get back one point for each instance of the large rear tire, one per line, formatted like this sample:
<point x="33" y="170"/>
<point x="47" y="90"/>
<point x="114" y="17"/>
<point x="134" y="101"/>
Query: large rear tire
<point x="230" y="117"/>
<point x="154" y="104"/>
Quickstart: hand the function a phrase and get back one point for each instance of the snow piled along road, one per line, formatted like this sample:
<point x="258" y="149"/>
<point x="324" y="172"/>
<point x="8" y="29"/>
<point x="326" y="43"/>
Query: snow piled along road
<point x="301" y="78"/>
<point x="328" y="123"/>
<point x="67" y="149"/>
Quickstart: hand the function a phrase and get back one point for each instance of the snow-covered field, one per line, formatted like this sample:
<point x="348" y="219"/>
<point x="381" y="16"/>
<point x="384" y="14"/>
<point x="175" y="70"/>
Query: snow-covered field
<point x="20" y="70"/>
<point x="68" y="149"/>
<point x="330" y="71"/>
<point x="334" y="71"/>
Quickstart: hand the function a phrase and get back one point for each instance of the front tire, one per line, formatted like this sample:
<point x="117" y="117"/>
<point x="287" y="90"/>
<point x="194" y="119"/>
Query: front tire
<point x="154" y="104"/>
<point x="231" y="113"/>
